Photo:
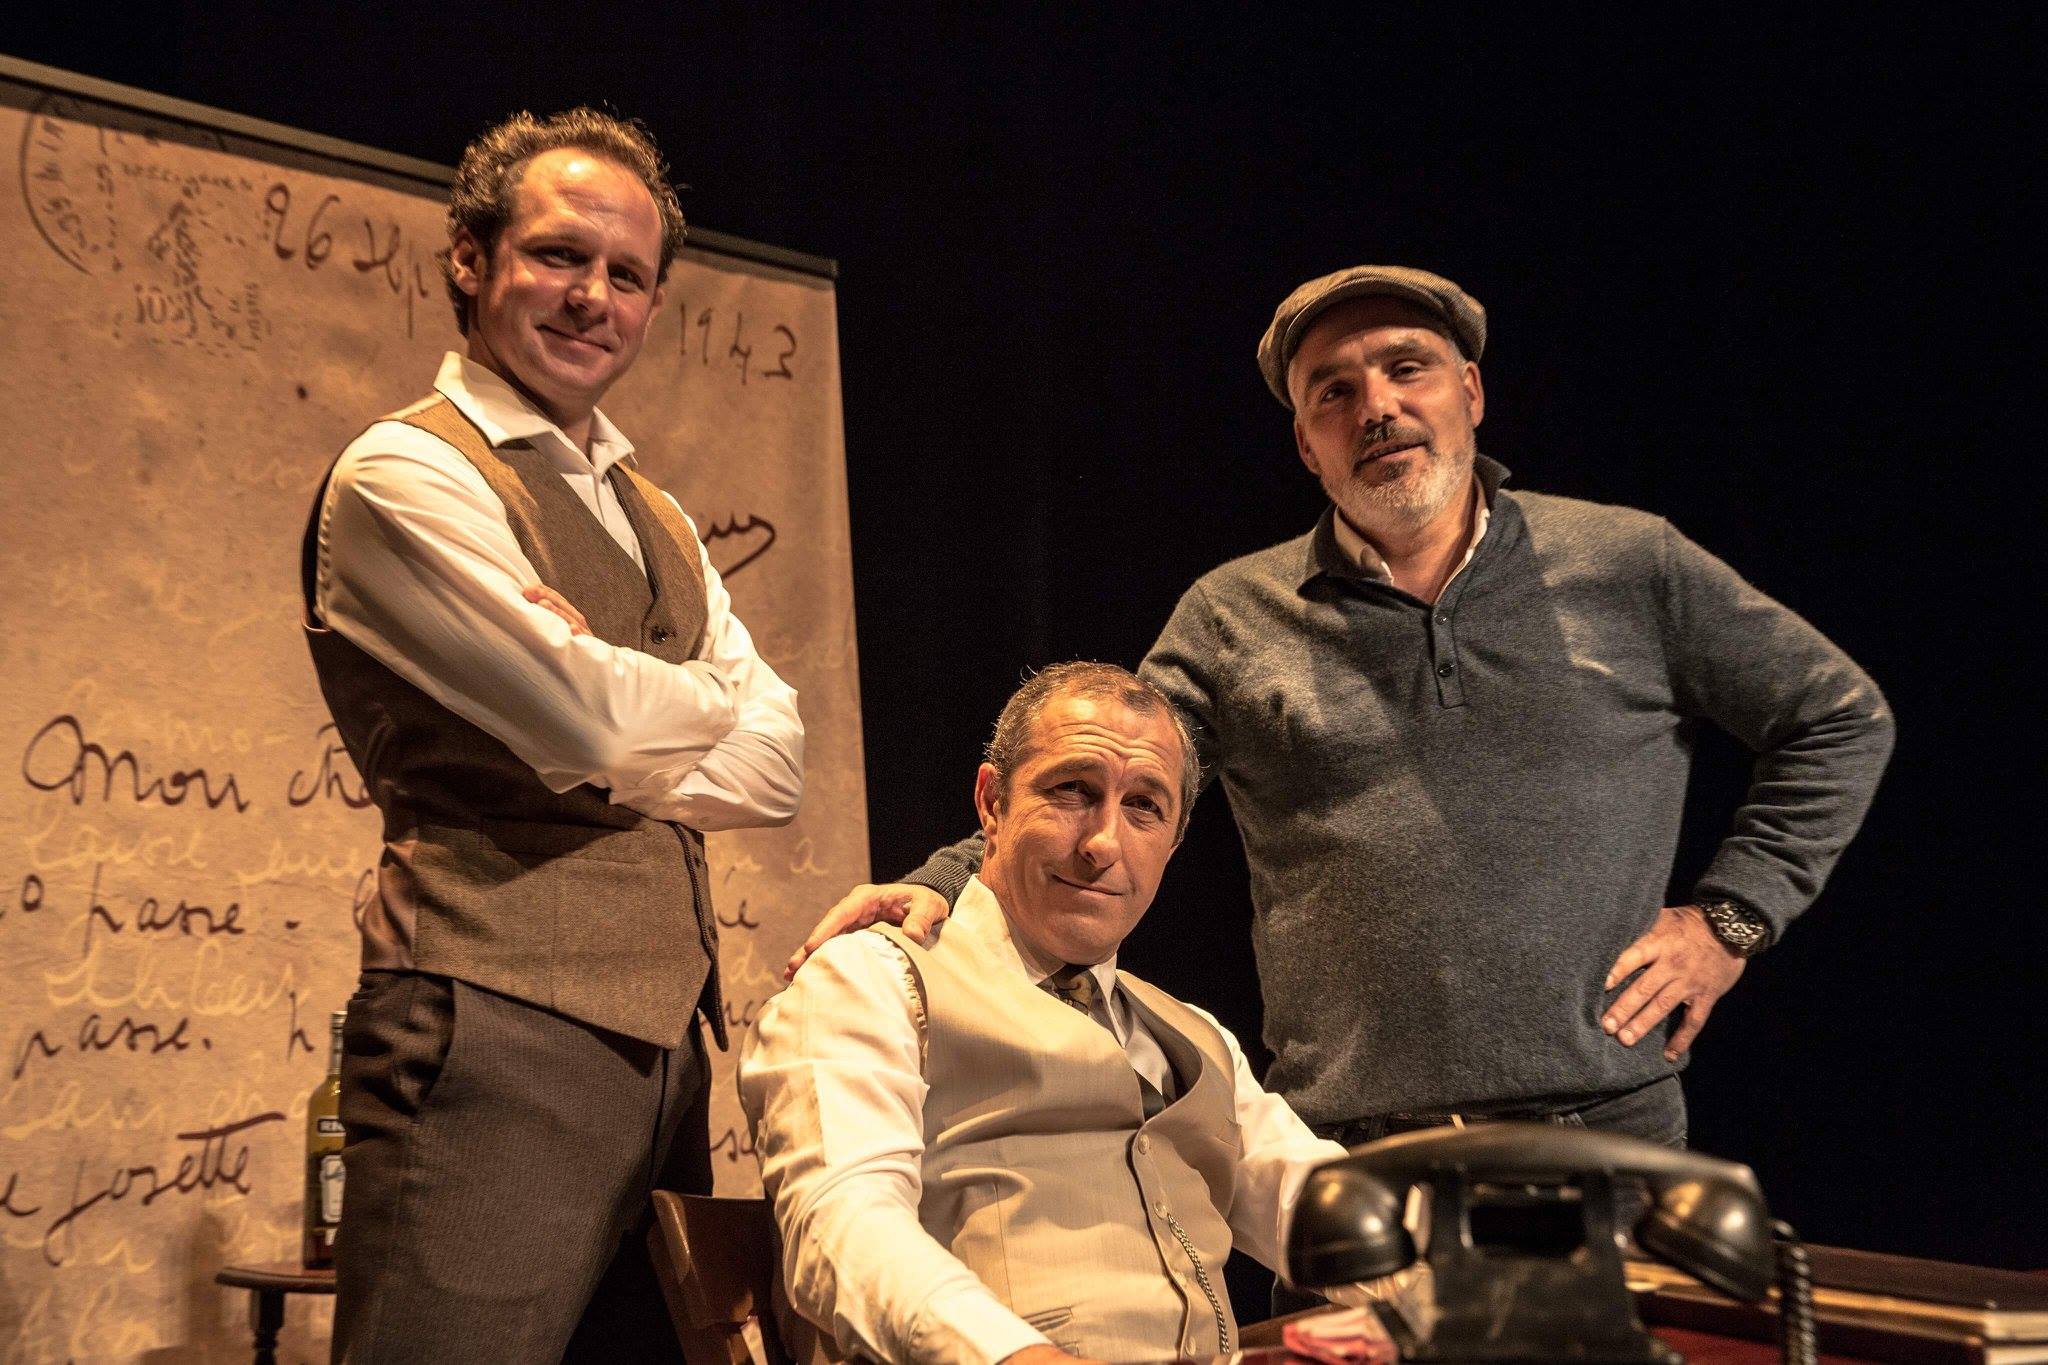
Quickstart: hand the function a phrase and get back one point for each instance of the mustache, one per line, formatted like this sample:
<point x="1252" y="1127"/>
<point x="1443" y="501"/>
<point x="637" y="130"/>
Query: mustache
<point x="1376" y="441"/>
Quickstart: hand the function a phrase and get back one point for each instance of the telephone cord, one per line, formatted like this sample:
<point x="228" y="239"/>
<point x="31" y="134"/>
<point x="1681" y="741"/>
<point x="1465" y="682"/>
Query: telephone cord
<point x="1796" y="1333"/>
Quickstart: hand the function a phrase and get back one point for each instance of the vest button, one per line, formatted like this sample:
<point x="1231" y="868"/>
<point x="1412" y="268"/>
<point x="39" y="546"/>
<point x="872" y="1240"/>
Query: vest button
<point x="1144" y="1144"/>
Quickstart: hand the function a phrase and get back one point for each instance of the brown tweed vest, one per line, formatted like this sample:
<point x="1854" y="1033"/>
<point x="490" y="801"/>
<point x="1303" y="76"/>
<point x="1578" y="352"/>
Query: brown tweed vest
<point x="559" y="899"/>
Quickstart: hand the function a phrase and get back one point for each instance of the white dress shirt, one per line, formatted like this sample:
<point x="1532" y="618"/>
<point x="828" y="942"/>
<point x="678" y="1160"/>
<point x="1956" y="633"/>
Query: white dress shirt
<point x="419" y="568"/>
<point x="841" y="1149"/>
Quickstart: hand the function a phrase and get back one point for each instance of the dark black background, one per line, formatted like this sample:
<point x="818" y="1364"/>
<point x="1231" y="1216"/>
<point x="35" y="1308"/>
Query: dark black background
<point x="1760" y="275"/>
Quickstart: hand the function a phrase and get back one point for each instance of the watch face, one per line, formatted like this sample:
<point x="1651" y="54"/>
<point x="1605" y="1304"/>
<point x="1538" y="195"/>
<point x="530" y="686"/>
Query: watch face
<point x="1734" y="926"/>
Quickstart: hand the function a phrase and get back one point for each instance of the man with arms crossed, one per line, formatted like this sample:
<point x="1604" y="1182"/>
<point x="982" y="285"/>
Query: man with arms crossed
<point x="966" y="1169"/>
<point x="539" y="675"/>
<point x="1454" y="721"/>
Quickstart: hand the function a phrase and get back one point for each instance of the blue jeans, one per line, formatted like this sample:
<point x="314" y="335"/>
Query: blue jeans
<point x="1654" y="1113"/>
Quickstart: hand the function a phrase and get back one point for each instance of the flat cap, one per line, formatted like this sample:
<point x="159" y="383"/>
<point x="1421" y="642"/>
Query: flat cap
<point x="1460" y="312"/>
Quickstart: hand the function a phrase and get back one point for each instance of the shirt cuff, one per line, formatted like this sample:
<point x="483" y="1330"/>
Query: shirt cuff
<point x="970" y="1326"/>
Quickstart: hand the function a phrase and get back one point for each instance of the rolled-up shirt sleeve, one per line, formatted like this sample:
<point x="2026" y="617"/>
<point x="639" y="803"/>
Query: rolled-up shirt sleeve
<point x="833" y="1086"/>
<point x="419" y="568"/>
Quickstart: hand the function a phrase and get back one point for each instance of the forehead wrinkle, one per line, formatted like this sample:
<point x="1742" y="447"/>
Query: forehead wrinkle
<point x="1095" y="743"/>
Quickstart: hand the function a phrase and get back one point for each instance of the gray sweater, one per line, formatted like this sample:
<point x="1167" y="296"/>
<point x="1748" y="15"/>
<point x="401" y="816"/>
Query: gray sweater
<point x="1457" y="816"/>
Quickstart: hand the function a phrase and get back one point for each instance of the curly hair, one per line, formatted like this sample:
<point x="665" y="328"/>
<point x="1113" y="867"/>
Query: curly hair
<point x="480" y="200"/>
<point x="1015" y="729"/>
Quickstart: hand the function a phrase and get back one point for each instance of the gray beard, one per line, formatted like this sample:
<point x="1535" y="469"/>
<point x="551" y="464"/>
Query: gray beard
<point x="1406" y="503"/>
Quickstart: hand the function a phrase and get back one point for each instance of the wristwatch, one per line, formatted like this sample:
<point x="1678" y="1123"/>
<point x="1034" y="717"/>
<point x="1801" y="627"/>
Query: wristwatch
<point x="1742" y="931"/>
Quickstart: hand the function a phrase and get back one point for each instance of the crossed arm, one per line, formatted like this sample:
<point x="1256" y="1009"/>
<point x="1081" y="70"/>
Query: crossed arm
<point x="419" y="568"/>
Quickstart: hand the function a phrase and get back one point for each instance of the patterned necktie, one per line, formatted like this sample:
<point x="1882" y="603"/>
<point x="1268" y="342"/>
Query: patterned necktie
<point x="1077" y="986"/>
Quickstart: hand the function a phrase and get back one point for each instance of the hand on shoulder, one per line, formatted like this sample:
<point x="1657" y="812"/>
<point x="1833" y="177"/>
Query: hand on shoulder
<point x="918" y="909"/>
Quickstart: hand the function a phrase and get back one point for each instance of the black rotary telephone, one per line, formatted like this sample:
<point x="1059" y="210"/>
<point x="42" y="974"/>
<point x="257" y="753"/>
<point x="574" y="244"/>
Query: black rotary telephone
<point x="1522" y="1247"/>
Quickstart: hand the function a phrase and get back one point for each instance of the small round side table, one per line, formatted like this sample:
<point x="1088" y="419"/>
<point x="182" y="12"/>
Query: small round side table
<point x="267" y="1285"/>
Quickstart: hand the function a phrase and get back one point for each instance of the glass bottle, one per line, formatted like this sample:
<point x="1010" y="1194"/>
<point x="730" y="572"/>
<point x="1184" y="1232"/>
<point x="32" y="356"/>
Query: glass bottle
<point x="323" y="1156"/>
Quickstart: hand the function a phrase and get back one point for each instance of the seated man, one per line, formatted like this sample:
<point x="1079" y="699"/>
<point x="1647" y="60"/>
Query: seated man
<point x="997" y="1146"/>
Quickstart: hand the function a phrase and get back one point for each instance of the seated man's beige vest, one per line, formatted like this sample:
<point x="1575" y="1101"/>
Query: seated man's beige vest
<point x="559" y="899"/>
<point x="1104" y="1230"/>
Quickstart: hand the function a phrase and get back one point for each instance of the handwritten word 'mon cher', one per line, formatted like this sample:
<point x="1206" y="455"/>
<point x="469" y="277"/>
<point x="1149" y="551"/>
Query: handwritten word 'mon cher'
<point x="332" y="776"/>
<point x="61" y="759"/>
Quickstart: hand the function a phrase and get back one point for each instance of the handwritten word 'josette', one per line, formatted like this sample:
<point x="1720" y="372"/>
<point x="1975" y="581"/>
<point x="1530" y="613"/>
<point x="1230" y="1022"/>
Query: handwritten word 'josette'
<point x="61" y="758"/>
<point x="219" y="1157"/>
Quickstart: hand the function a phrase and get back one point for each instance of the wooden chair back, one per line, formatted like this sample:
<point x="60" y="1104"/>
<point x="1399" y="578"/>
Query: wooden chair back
<point x="719" y="1265"/>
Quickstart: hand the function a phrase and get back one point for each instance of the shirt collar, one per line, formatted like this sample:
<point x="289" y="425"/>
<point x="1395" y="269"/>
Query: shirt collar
<point x="504" y="415"/>
<point x="1359" y="551"/>
<point x="979" y="910"/>
<point x="1335" y="548"/>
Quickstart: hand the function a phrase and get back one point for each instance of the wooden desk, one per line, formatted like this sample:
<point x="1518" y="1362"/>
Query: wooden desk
<point x="1704" y="1348"/>
<point x="267" y="1286"/>
<point x="1698" y="1348"/>
<point x="1261" y="1341"/>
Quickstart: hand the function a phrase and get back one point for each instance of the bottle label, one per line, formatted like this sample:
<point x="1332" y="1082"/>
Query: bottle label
<point x="328" y="1126"/>
<point x="330" y="1188"/>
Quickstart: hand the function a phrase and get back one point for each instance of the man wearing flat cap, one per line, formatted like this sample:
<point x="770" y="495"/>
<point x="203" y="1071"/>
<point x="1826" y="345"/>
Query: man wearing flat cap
<point x="1455" y="722"/>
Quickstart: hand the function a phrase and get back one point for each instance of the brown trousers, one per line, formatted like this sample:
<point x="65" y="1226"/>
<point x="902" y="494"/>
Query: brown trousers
<point x="499" y="1162"/>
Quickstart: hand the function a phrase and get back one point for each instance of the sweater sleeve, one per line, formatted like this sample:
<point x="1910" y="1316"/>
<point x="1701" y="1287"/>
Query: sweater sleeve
<point x="948" y="869"/>
<point x="1820" y="729"/>
<point x="1180" y="664"/>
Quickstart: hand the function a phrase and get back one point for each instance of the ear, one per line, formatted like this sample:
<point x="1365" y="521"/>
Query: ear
<point x="467" y="261"/>
<point x="1475" y="392"/>
<point x="660" y="297"/>
<point x="1308" y="460"/>
<point x="988" y="802"/>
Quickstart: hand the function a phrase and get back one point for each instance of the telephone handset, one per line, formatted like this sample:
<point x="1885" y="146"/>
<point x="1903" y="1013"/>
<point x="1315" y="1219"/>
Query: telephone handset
<point x="1525" y="1260"/>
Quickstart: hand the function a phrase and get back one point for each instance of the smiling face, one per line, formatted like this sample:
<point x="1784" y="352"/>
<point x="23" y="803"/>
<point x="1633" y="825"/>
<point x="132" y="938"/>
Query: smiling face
<point x="1385" y="411"/>
<point x="1077" y="842"/>
<point x="563" y="298"/>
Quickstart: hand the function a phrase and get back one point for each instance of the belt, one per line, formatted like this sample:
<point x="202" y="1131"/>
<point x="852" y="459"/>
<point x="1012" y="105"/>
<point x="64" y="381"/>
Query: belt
<point x="1356" y="1132"/>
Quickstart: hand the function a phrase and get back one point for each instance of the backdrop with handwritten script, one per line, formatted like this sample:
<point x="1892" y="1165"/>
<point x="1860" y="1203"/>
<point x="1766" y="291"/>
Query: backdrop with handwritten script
<point x="195" y="325"/>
